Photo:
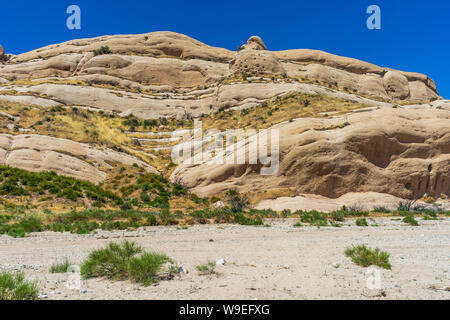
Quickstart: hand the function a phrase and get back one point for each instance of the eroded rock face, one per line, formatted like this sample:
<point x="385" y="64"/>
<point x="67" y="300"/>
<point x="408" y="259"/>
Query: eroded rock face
<point x="255" y="43"/>
<point x="66" y="157"/>
<point x="396" y="85"/>
<point x="402" y="152"/>
<point x="3" y="57"/>
<point x="186" y="74"/>
<point x="254" y="60"/>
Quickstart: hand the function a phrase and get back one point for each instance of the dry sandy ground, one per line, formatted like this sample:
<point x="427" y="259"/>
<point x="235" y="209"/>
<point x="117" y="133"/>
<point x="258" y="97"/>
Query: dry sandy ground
<point x="362" y="200"/>
<point x="277" y="262"/>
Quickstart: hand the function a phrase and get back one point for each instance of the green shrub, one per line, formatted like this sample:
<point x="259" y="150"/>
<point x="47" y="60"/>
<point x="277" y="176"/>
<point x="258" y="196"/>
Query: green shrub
<point x="207" y="268"/>
<point x="16" y="232"/>
<point x="354" y="211"/>
<point x="338" y="215"/>
<point x="314" y="217"/>
<point x="241" y="219"/>
<point x="268" y="213"/>
<point x="361" y="222"/>
<point x="144" y="197"/>
<point x="146" y="268"/>
<point x="286" y="213"/>
<point x="22" y="226"/>
<point x="363" y="256"/>
<point x="298" y="225"/>
<point x="237" y="203"/>
<point x="151" y="220"/>
<point x="410" y="220"/>
<point x="167" y="219"/>
<point x="336" y="224"/>
<point x="381" y="210"/>
<point x="15" y="287"/>
<point x="102" y="50"/>
<point x="84" y="227"/>
<point x="110" y="262"/>
<point x="61" y="267"/>
<point x="405" y="206"/>
<point x="125" y="261"/>
<point x="18" y="182"/>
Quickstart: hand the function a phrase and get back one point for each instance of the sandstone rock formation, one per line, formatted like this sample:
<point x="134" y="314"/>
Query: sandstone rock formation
<point x="3" y="57"/>
<point x="253" y="59"/>
<point x="66" y="157"/>
<point x="396" y="85"/>
<point x="157" y="74"/>
<point x="403" y="152"/>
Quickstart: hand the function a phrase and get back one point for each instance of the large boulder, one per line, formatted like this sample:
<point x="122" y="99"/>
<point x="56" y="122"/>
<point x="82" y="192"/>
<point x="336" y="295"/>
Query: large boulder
<point x="255" y="43"/>
<point x="396" y="85"/>
<point x="253" y="59"/>
<point x="2" y="54"/>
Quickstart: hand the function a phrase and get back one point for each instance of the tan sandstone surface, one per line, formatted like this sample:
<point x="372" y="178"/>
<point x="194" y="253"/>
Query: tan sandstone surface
<point x="404" y="152"/>
<point x="396" y="148"/>
<point x="186" y="74"/>
<point x="67" y="157"/>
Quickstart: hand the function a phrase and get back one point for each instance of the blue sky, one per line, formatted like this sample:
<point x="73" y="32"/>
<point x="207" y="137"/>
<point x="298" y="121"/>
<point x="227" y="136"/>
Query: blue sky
<point x="415" y="34"/>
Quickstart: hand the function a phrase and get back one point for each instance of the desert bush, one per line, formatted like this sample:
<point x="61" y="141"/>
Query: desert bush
<point x="207" y="268"/>
<point x="144" y="197"/>
<point x="146" y="268"/>
<point x="363" y="256"/>
<point x="125" y="261"/>
<point x="361" y="222"/>
<point x="244" y="220"/>
<point x="405" y="206"/>
<point x="338" y="215"/>
<point x="102" y="50"/>
<point x="150" y="123"/>
<point x="428" y="217"/>
<point x="110" y="262"/>
<point x="15" y="287"/>
<point x="381" y="210"/>
<point x="354" y="211"/>
<point x="410" y="220"/>
<point x="224" y="215"/>
<point x="286" y="213"/>
<point x="61" y="267"/>
<point x="21" y="227"/>
<point x="316" y="218"/>
<point x="151" y="220"/>
<point x="18" y="182"/>
<point x="237" y="203"/>
<point x="167" y="218"/>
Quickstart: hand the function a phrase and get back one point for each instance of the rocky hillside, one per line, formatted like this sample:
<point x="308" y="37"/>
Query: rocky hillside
<point x="84" y="107"/>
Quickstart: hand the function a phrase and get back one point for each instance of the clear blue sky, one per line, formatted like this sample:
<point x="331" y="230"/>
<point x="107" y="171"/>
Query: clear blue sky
<point x="415" y="34"/>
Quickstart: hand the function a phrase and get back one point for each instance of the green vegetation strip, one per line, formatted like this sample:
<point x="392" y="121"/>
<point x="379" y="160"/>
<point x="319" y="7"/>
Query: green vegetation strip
<point x="15" y="287"/>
